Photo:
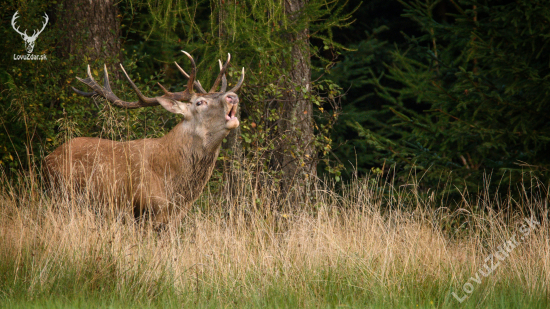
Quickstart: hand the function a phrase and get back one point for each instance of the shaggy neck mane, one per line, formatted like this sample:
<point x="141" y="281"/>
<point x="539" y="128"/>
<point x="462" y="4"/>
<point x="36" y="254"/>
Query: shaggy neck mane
<point x="190" y="160"/>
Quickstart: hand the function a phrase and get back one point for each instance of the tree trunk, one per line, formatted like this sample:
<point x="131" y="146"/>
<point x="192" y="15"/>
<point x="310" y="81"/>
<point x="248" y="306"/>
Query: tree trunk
<point x="296" y="154"/>
<point x="91" y="29"/>
<point x="232" y="146"/>
<point x="232" y="143"/>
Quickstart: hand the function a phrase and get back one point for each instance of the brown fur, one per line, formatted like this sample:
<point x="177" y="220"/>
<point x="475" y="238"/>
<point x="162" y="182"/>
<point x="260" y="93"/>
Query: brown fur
<point x="162" y="176"/>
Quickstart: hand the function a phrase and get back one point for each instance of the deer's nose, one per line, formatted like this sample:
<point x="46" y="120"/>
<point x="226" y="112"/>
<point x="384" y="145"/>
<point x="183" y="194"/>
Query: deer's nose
<point x="232" y="99"/>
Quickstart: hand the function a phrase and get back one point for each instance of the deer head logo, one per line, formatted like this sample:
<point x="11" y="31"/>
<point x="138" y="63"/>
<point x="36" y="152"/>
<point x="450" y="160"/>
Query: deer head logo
<point x="29" y="40"/>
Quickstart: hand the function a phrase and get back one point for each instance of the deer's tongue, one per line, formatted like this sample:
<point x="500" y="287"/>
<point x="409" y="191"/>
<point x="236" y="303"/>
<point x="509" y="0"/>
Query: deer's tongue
<point x="231" y="114"/>
<point x="231" y="121"/>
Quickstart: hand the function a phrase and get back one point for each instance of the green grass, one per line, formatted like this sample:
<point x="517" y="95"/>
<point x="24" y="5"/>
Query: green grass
<point x="235" y="251"/>
<point x="311" y="292"/>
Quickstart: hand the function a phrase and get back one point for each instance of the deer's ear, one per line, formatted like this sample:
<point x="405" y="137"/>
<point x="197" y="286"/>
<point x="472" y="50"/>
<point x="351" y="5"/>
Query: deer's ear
<point x="173" y="106"/>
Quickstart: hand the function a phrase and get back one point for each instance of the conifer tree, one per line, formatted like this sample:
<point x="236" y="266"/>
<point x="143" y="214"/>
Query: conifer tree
<point x="473" y="100"/>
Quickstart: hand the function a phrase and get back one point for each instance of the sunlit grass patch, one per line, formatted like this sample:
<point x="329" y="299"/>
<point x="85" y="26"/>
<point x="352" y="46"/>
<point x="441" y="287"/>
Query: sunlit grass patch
<point x="356" y="247"/>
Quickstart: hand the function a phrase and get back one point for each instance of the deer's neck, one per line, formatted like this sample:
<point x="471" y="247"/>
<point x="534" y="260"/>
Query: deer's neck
<point x="188" y="159"/>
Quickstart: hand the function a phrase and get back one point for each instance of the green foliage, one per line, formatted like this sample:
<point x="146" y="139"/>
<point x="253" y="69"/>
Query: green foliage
<point x="32" y="92"/>
<point x="40" y="111"/>
<point x="361" y="106"/>
<point x="257" y="36"/>
<point x="468" y="96"/>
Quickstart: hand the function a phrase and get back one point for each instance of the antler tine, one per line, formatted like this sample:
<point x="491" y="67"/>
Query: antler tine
<point x="191" y="80"/>
<point x="239" y="84"/>
<point x="98" y="90"/>
<point x="178" y="96"/>
<point x="197" y="83"/>
<point x="83" y="93"/>
<point x="108" y="94"/>
<point x="181" y="70"/>
<point x="145" y="101"/>
<point x="106" y="83"/>
<point x="222" y="73"/>
<point x="224" y="79"/>
<point x="166" y="92"/>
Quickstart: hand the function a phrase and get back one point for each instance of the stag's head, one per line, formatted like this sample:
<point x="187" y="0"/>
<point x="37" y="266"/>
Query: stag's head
<point x="206" y="110"/>
<point x="29" y="40"/>
<point x="207" y="114"/>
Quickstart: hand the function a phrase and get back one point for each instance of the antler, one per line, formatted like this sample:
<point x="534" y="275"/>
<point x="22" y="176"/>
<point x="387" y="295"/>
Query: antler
<point x="108" y="94"/>
<point x="34" y="34"/>
<point x="224" y="79"/>
<point x="13" y="24"/>
<point x="221" y="75"/>
<point x="187" y="93"/>
<point x="239" y="83"/>
<point x="196" y="83"/>
<point x="143" y="101"/>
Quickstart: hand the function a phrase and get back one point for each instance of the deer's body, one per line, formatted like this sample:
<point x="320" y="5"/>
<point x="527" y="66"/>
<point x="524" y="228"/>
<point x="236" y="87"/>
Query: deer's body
<point x="161" y="176"/>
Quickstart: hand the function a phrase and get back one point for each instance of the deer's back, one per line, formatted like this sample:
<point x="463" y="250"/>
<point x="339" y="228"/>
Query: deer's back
<point x="86" y="161"/>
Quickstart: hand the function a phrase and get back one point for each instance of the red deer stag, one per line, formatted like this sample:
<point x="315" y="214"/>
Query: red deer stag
<point x="160" y="176"/>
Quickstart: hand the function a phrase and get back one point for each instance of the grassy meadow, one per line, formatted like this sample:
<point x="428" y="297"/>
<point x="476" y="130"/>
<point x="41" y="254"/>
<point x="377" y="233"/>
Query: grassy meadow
<point x="376" y="243"/>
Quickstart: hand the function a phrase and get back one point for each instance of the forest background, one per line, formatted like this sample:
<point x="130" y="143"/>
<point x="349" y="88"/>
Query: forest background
<point x="387" y="151"/>
<point x="452" y="92"/>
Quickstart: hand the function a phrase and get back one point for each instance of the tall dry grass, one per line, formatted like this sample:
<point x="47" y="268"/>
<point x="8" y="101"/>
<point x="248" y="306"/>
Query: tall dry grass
<point x="372" y="242"/>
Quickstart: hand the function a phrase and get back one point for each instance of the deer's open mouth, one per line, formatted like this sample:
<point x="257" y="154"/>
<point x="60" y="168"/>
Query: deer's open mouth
<point x="231" y="121"/>
<point x="231" y="114"/>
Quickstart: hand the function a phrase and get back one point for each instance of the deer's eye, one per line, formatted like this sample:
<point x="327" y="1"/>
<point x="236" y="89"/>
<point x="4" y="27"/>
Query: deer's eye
<point x="200" y="103"/>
